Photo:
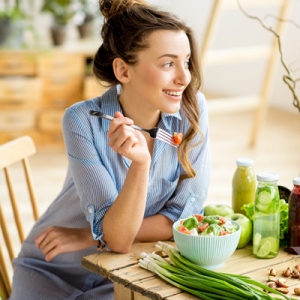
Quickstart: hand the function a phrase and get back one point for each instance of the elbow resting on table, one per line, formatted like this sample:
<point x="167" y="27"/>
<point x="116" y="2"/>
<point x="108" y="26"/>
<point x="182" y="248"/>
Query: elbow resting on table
<point x="119" y="248"/>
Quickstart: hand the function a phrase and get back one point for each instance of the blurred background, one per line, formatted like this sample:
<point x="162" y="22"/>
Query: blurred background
<point x="46" y="49"/>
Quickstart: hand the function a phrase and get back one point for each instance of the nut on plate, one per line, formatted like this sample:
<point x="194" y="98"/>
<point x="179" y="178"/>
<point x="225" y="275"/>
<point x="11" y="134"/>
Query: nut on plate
<point x="272" y="278"/>
<point x="297" y="291"/>
<point x="282" y="290"/>
<point x="282" y="283"/>
<point x="272" y="285"/>
<point x="287" y="272"/>
<point x="297" y="267"/>
<point x="273" y="272"/>
<point x="296" y="274"/>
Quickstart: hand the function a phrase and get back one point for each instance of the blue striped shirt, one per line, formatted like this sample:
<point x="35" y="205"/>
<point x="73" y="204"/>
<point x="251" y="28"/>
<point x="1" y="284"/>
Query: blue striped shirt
<point x="95" y="177"/>
<point x="99" y="172"/>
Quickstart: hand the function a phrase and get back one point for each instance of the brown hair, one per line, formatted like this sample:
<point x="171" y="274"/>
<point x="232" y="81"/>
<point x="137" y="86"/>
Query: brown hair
<point x="127" y="24"/>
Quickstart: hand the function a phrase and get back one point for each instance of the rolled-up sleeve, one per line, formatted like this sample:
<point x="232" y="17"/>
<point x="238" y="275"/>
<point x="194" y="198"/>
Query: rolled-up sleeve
<point x="87" y="169"/>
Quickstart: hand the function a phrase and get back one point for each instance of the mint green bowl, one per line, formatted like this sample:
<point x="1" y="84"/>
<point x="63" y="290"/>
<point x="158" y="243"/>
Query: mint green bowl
<point x="209" y="252"/>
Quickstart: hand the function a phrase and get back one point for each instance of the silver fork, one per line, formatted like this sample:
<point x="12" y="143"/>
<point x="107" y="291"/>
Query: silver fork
<point x="155" y="132"/>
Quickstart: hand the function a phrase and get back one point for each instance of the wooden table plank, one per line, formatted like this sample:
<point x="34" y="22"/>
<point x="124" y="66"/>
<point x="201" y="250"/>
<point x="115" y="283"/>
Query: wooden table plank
<point x="121" y="292"/>
<point x="141" y="281"/>
<point x="130" y="274"/>
<point x="105" y="262"/>
<point x="182" y="296"/>
<point x="243" y="264"/>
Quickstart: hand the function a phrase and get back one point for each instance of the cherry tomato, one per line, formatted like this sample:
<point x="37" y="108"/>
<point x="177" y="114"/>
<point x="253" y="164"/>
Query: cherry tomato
<point x="199" y="217"/>
<point x="202" y="226"/>
<point x="177" y="138"/>
<point x="222" y="220"/>
<point x="183" y="229"/>
<point x="223" y="233"/>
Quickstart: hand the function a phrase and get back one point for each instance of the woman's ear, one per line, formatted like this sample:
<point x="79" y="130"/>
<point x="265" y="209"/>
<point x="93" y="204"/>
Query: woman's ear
<point x="121" y="70"/>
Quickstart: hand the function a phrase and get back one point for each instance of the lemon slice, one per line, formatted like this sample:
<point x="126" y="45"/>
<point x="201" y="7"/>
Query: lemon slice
<point x="256" y="242"/>
<point x="273" y="242"/>
<point x="264" y="249"/>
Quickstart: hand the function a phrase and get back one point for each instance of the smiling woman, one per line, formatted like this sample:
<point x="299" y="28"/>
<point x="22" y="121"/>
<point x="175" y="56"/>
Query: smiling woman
<point x="122" y="186"/>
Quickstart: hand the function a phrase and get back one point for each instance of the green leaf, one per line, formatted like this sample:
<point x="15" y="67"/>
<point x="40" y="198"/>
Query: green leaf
<point x="211" y="219"/>
<point x="190" y="223"/>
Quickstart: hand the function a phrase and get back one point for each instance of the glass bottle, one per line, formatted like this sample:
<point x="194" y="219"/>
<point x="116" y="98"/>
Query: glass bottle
<point x="294" y="219"/>
<point x="243" y="184"/>
<point x="266" y="222"/>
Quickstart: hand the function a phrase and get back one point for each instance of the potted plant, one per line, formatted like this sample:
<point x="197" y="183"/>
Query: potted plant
<point x="62" y="11"/>
<point x="86" y="14"/>
<point x="11" y="25"/>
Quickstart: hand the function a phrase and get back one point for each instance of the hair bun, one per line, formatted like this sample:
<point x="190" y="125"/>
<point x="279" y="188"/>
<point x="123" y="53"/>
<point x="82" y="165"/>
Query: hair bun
<point x="110" y="8"/>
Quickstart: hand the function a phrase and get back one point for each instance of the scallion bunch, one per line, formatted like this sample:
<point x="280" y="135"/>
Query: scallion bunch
<point x="203" y="283"/>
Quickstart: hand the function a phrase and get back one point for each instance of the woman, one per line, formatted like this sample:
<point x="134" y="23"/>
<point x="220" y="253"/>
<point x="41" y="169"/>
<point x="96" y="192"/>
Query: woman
<point x="123" y="186"/>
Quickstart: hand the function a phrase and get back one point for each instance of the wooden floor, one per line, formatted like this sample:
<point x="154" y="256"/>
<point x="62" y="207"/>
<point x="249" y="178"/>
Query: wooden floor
<point x="277" y="150"/>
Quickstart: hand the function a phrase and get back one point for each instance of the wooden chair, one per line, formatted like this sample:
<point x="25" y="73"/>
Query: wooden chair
<point x="17" y="150"/>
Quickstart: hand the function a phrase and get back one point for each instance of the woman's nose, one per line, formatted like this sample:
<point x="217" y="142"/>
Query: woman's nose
<point x="183" y="76"/>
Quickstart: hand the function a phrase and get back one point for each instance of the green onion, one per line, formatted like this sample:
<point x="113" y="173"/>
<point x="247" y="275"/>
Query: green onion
<point x="203" y="283"/>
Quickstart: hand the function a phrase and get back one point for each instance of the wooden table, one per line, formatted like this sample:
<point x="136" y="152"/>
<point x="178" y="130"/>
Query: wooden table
<point x="132" y="282"/>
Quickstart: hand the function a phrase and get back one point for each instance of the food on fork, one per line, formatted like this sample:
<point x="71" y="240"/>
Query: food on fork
<point x="177" y="138"/>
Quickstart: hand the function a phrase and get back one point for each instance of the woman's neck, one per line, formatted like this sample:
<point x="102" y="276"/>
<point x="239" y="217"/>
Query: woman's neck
<point x="138" y="111"/>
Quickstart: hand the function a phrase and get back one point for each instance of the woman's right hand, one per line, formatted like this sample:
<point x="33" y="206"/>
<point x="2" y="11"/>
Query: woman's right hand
<point x="127" y="141"/>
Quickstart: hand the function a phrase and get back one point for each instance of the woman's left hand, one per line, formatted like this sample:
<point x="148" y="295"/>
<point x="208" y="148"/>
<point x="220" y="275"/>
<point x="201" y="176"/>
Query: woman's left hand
<point x="56" y="240"/>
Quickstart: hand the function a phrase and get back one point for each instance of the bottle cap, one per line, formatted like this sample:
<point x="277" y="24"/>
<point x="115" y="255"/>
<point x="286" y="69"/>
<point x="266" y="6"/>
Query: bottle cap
<point x="296" y="181"/>
<point x="267" y="176"/>
<point x="244" y="162"/>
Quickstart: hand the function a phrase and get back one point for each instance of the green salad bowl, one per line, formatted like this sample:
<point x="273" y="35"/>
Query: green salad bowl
<point x="209" y="252"/>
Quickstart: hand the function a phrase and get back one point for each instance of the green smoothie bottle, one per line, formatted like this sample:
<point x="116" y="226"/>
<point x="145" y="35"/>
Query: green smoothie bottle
<point x="266" y="222"/>
<point x="243" y="184"/>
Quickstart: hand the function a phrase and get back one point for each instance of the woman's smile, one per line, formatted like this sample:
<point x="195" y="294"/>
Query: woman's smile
<point x="173" y="93"/>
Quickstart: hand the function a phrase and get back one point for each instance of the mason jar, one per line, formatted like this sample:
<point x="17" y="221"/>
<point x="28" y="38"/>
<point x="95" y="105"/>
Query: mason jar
<point x="266" y="222"/>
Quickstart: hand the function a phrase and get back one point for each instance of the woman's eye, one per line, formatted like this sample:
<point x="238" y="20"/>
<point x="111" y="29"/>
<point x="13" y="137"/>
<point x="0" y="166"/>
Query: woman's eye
<point x="169" y="64"/>
<point x="187" y="63"/>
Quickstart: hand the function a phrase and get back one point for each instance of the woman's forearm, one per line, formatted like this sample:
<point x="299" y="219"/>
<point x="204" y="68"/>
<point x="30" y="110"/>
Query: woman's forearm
<point x="155" y="228"/>
<point x="122" y="221"/>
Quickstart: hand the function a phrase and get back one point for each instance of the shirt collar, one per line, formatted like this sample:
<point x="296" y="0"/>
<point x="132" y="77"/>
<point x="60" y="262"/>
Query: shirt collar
<point x="109" y="104"/>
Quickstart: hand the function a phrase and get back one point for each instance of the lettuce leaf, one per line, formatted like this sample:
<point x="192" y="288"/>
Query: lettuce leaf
<point x="213" y="229"/>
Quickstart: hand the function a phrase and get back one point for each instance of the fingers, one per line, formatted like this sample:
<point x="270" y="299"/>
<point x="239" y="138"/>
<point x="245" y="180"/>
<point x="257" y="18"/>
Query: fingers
<point x="124" y="137"/>
<point x="47" y="242"/>
<point x="118" y="121"/>
<point x="121" y="134"/>
<point x="41" y="240"/>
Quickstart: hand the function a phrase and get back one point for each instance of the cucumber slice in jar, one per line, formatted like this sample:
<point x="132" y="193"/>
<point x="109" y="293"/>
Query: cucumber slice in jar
<point x="262" y="207"/>
<point x="264" y="198"/>
<point x="256" y="242"/>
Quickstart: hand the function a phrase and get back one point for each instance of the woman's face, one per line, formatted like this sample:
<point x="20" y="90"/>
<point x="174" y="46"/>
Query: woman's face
<point x="162" y="73"/>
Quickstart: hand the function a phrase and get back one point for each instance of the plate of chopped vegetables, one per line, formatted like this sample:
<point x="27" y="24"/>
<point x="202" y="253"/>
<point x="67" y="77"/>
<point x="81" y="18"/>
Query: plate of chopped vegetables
<point x="207" y="241"/>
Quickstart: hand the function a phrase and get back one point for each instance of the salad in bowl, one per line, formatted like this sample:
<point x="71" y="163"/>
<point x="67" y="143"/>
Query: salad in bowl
<point x="207" y="225"/>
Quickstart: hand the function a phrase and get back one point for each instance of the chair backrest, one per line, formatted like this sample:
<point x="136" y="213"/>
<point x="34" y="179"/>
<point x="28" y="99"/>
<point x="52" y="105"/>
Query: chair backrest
<point x="15" y="152"/>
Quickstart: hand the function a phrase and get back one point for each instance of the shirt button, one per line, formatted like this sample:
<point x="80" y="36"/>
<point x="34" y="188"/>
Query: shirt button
<point x="193" y="200"/>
